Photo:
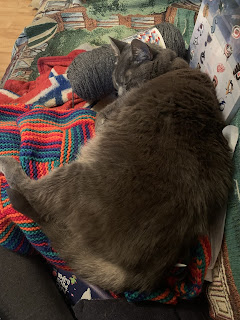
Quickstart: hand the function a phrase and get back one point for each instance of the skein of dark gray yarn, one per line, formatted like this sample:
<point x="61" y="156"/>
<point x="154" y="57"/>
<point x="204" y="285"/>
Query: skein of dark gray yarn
<point x="90" y="73"/>
<point x="173" y="38"/>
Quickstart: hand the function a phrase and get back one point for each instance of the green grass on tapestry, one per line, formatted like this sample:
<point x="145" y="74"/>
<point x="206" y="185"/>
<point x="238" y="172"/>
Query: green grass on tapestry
<point x="66" y="41"/>
<point x="184" y="21"/>
<point x="105" y="8"/>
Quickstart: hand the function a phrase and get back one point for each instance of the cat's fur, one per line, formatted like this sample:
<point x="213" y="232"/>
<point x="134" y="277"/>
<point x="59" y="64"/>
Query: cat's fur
<point x="139" y="62"/>
<point x="142" y="190"/>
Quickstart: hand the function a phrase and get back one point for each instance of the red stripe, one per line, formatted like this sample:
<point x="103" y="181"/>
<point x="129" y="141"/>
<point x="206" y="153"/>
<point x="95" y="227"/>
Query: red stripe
<point x="58" y="113"/>
<point x="31" y="169"/>
<point x="41" y="147"/>
<point x="84" y="133"/>
<point x="41" y="244"/>
<point x="39" y="171"/>
<point x="20" y="244"/>
<point x="9" y="131"/>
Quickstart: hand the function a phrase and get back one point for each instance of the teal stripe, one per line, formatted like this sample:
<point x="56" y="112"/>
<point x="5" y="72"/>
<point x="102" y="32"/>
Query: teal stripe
<point x="28" y="225"/>
<point x="2" y="235"/>
<point x="12" y="235"/>
<point x="33" y="31"/>
<point x="6" y="204"/>
<point x="32" y="232"/>
<point x="41" y="131"/>
<point x="66" y="147"/>
<point x="43" y="160"/>
<point x="33" y="43"/>
<point x="16" y="241"/>
<point x="72" y="145"/>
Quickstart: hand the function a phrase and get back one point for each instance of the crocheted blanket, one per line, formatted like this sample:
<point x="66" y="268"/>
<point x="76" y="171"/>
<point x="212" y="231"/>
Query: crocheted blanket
<point x="46" y="138"/>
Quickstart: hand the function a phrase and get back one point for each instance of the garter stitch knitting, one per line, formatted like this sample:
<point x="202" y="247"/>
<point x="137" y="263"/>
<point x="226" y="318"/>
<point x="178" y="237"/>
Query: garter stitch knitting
<point x="41" y="139"/>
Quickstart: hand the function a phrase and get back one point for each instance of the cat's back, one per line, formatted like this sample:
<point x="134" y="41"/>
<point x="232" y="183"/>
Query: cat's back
<point x="160" y="158"/>
<point x="167" y="135"/>
<point x="179" y="109"/>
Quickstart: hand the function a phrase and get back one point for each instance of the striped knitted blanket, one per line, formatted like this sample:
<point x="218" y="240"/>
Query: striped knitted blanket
<point x="41" y="139"/>
<point x="46" y="138"/>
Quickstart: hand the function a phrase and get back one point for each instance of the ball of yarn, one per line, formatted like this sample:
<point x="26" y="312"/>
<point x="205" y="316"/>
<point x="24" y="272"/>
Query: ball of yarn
<point x="90" y="73"/>
<point x="173" y="38"/>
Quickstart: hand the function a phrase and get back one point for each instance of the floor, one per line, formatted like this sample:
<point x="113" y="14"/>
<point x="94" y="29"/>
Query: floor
<point x="14" y="16"/>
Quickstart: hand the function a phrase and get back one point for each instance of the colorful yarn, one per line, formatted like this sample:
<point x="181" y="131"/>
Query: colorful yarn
<point x="43" y="139"/>
<point x="177" y="287"/>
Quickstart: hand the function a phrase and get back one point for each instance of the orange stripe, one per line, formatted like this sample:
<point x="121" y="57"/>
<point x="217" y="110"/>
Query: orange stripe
<point x="5" y="227"/>
<point x="46" y="167"/>
<point x="29" y="132"/>
<point x="30" y="228"/>
<point x="6" y="200"/>
<point x="13" y="215"/>
<point x="9" y="151"/>
<point x="199" y="262"/>
<point x="7" y="206"/>
<point x="8" y="124"/>
<point x="172" y="301"/>
<point x="62" y="148"/>
<point x="6" y="236"/>
<point x="182" y="288"/>
<point x="23" y="221"/>
<point x="53" y="124"/>
<point x="162" y="296"/>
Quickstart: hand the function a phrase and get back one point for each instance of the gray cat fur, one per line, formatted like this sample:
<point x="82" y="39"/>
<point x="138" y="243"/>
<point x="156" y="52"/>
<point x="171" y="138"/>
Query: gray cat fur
<point x="142" y="190"/>
<point x="90" y="73"/>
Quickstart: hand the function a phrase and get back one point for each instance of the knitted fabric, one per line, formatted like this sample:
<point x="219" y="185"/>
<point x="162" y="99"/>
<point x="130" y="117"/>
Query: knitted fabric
<point x="179" y="287"/>
<point x="173" y="38"/>
<point x="41" y="139"/>
<point x="46" y="138"/>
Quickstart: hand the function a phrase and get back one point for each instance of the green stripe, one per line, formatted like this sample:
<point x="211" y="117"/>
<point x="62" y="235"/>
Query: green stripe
<point x="36" y="30"/>
<point x="36" y="42"/>
<point x="72" y="146"/>
<point x="6" y="204"/>
<point x="41" y="131"/>
<point x="65" y="147"/>
<point x="28" y="225"/>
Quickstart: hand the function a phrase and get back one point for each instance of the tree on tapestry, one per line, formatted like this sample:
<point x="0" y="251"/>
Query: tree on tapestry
<point x="99" y="9"/>
<point x="103" y="8"/>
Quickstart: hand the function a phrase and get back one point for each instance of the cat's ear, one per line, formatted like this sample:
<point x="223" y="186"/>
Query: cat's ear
<point x="141" y="51"/>
<point x="117" y="45"/>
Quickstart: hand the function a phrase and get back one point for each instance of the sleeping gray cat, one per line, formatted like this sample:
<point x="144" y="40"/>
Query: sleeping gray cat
<point x="145" y="187"/>
<point x="139" y="62"/>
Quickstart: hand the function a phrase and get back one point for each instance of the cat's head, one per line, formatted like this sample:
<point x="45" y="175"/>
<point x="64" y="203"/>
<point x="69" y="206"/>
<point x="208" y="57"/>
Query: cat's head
<point x="134" y="64"/>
